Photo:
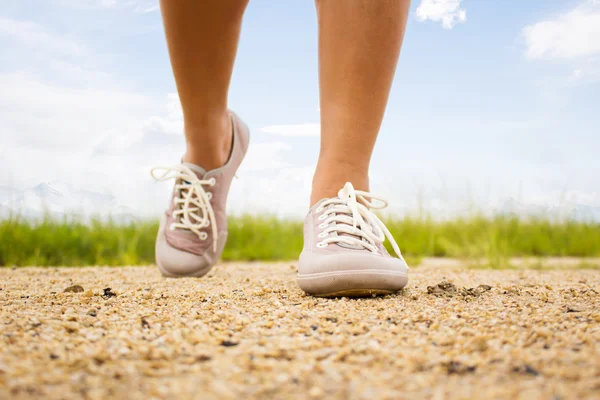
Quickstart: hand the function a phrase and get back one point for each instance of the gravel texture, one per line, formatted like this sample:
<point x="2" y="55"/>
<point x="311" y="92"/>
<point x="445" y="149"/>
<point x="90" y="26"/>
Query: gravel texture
<point x="247" y="331"/>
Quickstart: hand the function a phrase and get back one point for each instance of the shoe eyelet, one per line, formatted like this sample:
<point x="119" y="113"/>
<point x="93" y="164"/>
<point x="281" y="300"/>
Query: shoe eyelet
<point x="172" y="227"/>
<point x="319" y="209"/>
<point x="212" y="181"/>
<point x="203" y="235"/>
<point x="323" y="234"/>
<point x="321" y="245"/>
<point x="322" y="217"/>
<point x="323" y="225"/>
<point x="209" y="195"/>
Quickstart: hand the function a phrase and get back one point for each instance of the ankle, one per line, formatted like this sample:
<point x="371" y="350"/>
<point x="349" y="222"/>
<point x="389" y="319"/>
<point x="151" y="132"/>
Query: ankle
<point x="330" y="178"/>
<point x="208" y="141"/>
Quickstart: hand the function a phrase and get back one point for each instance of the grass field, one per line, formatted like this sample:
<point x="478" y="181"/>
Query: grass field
<point x="70" y="242"/>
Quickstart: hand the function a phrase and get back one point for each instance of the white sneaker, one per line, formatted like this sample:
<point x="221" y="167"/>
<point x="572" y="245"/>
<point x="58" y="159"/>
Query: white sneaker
<point x="343" y="251"/>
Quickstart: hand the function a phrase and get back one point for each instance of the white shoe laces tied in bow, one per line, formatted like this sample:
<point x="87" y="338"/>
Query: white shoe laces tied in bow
<point x="345" y="214"/>
<point x="193" y="209"/>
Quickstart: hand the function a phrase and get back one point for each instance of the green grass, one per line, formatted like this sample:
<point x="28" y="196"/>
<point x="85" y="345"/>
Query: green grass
<point x="494" y="240"/>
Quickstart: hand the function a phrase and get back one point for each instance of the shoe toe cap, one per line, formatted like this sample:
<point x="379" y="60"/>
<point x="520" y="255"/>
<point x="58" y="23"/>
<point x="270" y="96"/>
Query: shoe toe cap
<point x="174" y="262"/>
<point x="350" y="273"/>
<point x="311" y="263"/>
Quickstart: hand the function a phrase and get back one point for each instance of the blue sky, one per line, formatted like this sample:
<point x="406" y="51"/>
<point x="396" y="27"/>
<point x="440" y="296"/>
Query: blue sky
<point x="492" y="100"/>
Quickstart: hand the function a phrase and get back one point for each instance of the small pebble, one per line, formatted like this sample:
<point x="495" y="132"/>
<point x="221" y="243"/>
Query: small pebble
<point x="74" y="289"/>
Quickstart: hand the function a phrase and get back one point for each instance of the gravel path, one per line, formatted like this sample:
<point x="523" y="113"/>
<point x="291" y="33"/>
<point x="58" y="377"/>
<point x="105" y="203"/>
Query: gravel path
<point x="247" y="331"/>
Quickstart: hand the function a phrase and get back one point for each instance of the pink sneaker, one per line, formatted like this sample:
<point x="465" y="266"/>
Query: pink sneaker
<point x="193" y="231"/>
<point x="343" y="251"/>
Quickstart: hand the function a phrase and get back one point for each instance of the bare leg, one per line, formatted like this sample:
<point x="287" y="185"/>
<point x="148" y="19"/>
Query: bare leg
<point x="202" y="37"/>
<point x="359" y="45"/>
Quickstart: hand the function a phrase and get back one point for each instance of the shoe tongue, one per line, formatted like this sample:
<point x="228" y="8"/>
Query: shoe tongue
<point x="199" y="171"/>
<point x="349" y="246"/>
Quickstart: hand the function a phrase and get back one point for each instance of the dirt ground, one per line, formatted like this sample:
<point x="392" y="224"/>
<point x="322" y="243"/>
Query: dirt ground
<point x="247" y="331"/>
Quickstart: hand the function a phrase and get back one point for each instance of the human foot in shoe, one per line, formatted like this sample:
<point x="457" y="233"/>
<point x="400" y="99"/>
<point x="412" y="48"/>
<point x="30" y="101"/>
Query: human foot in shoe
<point x="193" y="230"/>
<point x="343" y="251"/>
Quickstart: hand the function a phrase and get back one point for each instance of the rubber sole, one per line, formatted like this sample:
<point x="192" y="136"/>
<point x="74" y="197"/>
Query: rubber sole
<point x="195" y="274"/>
<point x="353" y="283"/>
<point x="357" y="293"/>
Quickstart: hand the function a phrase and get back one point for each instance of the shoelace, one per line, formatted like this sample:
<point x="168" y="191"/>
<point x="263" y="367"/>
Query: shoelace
<point x="193" y="211"/>
<point x="345" y="214"/>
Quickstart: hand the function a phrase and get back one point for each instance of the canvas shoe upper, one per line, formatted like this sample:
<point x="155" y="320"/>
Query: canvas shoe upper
<point x="193" y="231"/>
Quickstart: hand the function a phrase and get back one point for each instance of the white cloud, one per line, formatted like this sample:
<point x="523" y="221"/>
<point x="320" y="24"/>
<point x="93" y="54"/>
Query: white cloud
<point x="293" y="129"/>
<point x="141" y="6"/>
<point x="265" y="156"/>
<point x="32" y="34"/>
<point x="174" y="107"/>
<point x="56" y="106"/>
<point x="448" y="12"/>
<point x="52" y="100"/>
<point x="283" y="192"/>
<point x="571" y="35"/>
<point x="69" y="118"/>
<point x="93" y="139"/>
<point x="49" y="56"/>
